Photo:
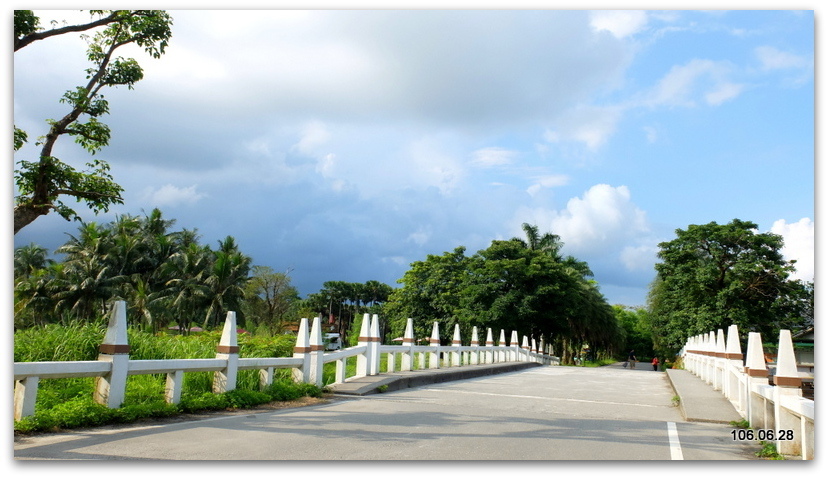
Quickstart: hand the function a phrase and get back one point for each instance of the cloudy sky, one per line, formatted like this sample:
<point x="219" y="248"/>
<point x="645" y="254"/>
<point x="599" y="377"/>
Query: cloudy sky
<point x="344" y="145"/>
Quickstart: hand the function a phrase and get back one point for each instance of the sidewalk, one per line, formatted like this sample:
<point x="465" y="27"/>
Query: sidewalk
<point x="698" y="401"/>
<point x="388" y="382"/>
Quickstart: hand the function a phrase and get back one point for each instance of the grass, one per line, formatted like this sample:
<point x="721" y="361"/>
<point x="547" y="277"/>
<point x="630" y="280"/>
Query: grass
<point x="769" y="451"/>
<point x="68" y="403"/>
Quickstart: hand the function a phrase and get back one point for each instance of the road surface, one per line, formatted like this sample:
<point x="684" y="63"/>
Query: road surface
<point x="543" y="413"/>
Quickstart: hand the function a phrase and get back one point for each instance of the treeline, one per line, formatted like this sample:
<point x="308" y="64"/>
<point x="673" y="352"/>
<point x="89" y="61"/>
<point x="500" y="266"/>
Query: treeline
<point x="522" y="284"/>
<point x="165" y="276"/>
<point x="168" y="278"/>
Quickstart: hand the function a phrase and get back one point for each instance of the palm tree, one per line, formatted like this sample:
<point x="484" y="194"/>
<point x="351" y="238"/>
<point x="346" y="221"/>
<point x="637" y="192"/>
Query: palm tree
<point x="28" y="259"/>
<point x="225" y="280"/>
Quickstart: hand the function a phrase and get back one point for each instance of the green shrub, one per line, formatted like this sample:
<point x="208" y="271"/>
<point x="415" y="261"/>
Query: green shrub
<point x="240" y="398"/>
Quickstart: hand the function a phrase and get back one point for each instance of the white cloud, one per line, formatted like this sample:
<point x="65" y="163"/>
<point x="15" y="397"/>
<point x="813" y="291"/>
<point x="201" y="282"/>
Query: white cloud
<point x="620" y="23"/>
<point x="590" y="125"/>
<point x="601" y="221"/>
<point x="169" y="195"/>
<point x="314" y="135"/>
<point x="684" y="85"/>
<point x="489" y="157"/>
<point x="549" y="181"/>
<point x="639" y="258"/>
<point x="799" y="245"/>
<point x="774" y="59"/>
<point x="722" y="93"/>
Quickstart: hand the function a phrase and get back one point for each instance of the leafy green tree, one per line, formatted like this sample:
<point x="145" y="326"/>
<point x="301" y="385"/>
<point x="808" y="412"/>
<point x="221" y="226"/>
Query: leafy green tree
<point x="270" y="299"/>
<point x="431" y="293"/>
<point x="712" y="276"/>
<point x="637" y="330"/>
<point x="41" y="183"/>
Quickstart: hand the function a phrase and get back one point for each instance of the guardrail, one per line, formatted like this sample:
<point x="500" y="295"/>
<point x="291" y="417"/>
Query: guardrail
<point x="776" y="412"/>
<point x="114" y="365"/>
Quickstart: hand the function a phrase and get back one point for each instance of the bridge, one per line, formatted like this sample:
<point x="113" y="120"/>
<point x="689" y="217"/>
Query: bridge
<point x="475" y="402"/>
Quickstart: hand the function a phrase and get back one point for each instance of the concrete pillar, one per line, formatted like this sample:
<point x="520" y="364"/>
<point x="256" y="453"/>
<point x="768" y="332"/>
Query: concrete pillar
<point x="111" y="388"/>
<point x="525" y="347"/>
<point x="788" y="384"/>
<point x="227" y="349"/>
<point x="733" y="354"/>
<point x="513" y="346"/>
<point x="757" y="373"/>
<point x="25" y="396"/>
<point x="719" y="361"/>
<point x="374" y="343"/>
<point x="434" y="343"/>
<point x="489" y="354"/>
<point x="317" y="350"/>
<point x="474" y="356"/>
<point x="302" y="350"/>
<point x="408" y="341"/>
<point x="455" y="342"/>
<point x="501" y="346"/>
<point x="364" y="339"/>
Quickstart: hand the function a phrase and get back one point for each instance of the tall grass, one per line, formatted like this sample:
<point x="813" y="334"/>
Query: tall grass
<point x="68" y="402"/>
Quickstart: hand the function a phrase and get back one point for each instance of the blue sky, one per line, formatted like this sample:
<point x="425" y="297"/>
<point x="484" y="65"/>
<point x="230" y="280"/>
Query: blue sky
<point x="344" y="145"/>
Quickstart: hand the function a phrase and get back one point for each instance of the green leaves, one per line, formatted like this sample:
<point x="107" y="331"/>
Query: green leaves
<point x="712" y="276"/>
<point x="41" y="182"/>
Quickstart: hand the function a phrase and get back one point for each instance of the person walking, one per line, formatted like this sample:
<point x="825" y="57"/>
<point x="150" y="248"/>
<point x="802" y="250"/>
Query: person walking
<point x="655" y="364"/>
<point x="631" y="359"/>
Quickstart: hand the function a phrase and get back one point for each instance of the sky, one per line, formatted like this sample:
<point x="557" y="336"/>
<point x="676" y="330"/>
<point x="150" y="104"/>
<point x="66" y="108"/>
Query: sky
<point x="347" y="144"/>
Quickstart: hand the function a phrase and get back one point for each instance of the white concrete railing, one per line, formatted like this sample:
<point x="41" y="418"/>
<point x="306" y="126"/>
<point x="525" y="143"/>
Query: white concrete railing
<point x="778" y="413"/>
<point x="113" y="364"/>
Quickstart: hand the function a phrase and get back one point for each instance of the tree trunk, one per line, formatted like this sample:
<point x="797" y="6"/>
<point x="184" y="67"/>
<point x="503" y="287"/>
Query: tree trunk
<point x="26" y="214"/>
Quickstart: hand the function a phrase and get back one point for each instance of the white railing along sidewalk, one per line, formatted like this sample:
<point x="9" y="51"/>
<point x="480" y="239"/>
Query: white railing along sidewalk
<point x="114" y="365"/>
<point x="777" y="413"/>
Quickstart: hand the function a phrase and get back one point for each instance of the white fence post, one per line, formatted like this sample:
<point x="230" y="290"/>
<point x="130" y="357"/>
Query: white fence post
<point x="525" y="347"/>
<point x="25" y="396"/>
<point x="434" y="342"/>
<point x="757" y="377"/>
<point x="455" y="342"/>
<point x="501" y="346"/>
<point x="110" y="389"/>
<point x="408" y="341"/>
<point x="733" y="354"/>
<point x="373" y="345"/>
<point x="489" y="354"/>
<point x="302" y="351"/>
<point x="788" y="384"/>
<point x="513" y="347"/>
<point x="474" y="355"/>
<point x="363" y="360"/>
<point x="228" y="349"/>
<point x="317" y="350"/>
<point x="719" y="362"/>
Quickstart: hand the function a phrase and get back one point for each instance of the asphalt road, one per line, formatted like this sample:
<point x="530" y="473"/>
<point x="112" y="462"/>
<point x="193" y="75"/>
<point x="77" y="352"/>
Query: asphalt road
<point x="544" y="413"/>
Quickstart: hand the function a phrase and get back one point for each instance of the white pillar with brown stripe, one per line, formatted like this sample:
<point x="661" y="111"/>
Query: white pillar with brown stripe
<point x="373" y="346"/>
<point x="474" y="355"/>
<point x="733" y="354"/>
<point x="788" y="384"/>
<point x="757" y="373"/>
<point x="110" y="389"/>
<point x="317" y="350"/>
<point x="364" y="339"/>
<point x="513" y="347"/>
<point x="489" y="355"/>
<point x="302" y="350"/>
<point x="719" y="361"/>
<point x="408" y="341"/>
<point x="228" y="349"/>
<point x="434" y="343"/>
<point x="455" y="342"/>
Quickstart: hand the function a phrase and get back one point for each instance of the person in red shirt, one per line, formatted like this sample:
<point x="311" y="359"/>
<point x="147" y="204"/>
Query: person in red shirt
<point x="655" y="364"/>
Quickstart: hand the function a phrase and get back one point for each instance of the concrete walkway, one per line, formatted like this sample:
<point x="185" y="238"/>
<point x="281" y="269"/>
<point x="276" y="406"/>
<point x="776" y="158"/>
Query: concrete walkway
<point x="697" y="400"/>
